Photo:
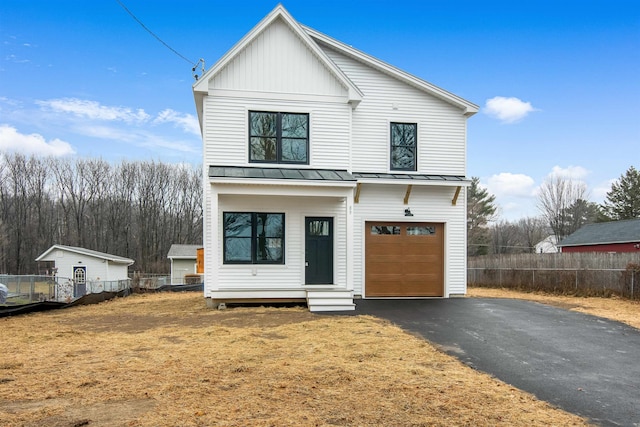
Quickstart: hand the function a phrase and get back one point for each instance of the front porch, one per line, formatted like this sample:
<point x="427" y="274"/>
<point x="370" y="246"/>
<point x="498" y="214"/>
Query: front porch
<point x="317" y="298"/>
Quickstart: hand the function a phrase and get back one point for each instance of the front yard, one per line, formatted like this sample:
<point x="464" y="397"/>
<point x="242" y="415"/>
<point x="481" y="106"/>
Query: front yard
<point x="166" y="360"/>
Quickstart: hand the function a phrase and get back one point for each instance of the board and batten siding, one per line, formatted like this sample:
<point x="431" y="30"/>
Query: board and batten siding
<point x="289" y="275"/>
<point x="428" y="204"/>
<point x="226" y="135"/>
<point x="441" y="126"/>
<point x="277" y="60"/>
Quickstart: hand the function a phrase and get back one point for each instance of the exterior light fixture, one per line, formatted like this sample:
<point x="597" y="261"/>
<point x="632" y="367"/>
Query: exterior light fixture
<point x="407" y="212"/>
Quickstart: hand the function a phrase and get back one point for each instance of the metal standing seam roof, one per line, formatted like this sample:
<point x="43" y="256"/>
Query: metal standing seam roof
<point x="280" y="173"/>
<point x="601" y="233"/>
<point x="409" y="177"/>
<point x="321" y="174"/>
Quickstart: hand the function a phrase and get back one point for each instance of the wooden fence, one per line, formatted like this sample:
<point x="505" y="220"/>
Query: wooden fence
<point x="600" y="274"/>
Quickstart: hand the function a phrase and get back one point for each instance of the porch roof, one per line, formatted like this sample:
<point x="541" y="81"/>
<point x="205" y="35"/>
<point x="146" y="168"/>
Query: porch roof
<point x="411" y="178"/>
<point x="280" y="173"/>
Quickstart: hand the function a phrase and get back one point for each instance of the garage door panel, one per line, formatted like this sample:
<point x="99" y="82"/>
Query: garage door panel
<point x="409" y="263"/>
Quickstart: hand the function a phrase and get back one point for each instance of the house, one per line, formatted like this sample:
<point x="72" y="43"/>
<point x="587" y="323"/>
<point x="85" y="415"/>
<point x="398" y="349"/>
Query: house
<point x="548" y="245"/>
<point x="184" y="261"/>
<point x="329" y="174"/>
<point x="87" y="270"/>
<point x="614" y="236"/>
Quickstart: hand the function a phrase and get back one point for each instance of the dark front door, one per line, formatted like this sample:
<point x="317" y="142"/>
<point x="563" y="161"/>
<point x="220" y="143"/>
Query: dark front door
<point x="318" y="250"/>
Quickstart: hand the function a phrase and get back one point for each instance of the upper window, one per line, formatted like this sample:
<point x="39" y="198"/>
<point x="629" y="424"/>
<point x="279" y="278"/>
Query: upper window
<point x="278" y="137"/>
<point x="403" y="146"/>
<point x="253" y="238"/>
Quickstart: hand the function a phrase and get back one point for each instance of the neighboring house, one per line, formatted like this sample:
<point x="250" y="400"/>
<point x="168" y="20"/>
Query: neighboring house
<point x="330" y="174"/>
<point x="614" y="236"/>
<point x="90" y="271"/>
<point x="183" y="262"/>
<point x="548" y="245"/>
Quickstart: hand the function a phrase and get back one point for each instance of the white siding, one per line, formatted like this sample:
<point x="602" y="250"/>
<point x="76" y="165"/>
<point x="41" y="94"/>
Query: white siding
<point x="441" y="126"/>
<point x="98" y="269"/>
<point x="428" y="204"/>
<point x="226" y="138"/>
<point x="181" y="267"/>
<point x="291" y="274"/>
<point x="277" y="60"/>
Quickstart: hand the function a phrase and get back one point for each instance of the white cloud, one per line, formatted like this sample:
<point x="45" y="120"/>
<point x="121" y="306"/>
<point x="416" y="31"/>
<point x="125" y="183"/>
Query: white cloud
<point x="507" y="110"/>
<point x="507" y="184"/>
<point x="94" y="110"/>
<point x="12" y="140"/>
<point x="572" y="172"/>
<point x="186" y="122"/>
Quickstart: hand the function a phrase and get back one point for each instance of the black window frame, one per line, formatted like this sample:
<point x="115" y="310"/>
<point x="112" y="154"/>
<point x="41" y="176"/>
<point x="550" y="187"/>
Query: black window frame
<point x="393" y="147"/>
<point x="253" y="239"/>
<point x="279" y="139"/>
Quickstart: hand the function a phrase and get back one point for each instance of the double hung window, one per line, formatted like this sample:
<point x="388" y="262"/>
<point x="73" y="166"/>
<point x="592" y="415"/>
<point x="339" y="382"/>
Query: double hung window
<point x="404" y="138"/>
<point x="278" y="137"/>
<point x="253" y="238"/>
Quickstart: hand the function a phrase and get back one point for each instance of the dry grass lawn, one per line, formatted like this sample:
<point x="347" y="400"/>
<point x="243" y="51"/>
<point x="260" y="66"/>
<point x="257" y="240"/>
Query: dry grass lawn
<point x="167" y="360"/>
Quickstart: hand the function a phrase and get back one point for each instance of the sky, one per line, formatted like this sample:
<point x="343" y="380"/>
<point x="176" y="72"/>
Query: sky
<point x="557" y="82"/>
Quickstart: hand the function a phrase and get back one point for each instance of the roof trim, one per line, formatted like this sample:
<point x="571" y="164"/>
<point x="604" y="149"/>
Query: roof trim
<point x="201" y="87"/>
<point x="468" y="108"/>
<point x="88" y="252"/>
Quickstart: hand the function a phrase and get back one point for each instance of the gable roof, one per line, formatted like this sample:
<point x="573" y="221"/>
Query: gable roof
<point x="183" y="251"/>
<point x="87" y="252"/>
<point x="313" y="40"/>
<point x="201" y="87"/>
<point x="602" y="233"/>
<point x="468" y="108"/>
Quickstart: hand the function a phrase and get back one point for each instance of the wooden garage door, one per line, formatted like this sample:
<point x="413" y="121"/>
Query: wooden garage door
<point x="404" y="259"/>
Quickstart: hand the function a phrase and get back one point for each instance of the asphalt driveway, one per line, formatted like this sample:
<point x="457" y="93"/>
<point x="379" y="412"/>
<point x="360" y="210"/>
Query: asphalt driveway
<point x="583" y="364"/>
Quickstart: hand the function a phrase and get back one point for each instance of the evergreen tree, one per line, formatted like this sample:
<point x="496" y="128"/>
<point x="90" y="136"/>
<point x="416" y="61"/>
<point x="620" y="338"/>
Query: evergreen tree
<point x="623" y="201"/>
<point x="481" y="209"/>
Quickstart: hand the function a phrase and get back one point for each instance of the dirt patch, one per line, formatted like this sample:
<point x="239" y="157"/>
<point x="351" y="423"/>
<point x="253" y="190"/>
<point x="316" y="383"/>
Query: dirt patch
<point x="166" y="360"/>
<point x="67" y="413"/>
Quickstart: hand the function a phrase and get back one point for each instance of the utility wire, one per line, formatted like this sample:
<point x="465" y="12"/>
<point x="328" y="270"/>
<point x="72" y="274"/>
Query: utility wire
<point x="157" y="38"/>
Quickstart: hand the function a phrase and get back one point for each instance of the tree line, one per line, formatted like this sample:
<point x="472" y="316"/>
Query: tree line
<point x="131" y="209"/>
<point x="563" y="207"/>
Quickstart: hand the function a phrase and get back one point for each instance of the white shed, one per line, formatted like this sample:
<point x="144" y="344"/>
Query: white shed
<point x="183" y="261"/>
<point x="91" y="271"/>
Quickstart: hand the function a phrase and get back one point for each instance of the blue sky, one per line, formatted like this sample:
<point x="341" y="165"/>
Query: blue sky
<point x="558" y="82"/>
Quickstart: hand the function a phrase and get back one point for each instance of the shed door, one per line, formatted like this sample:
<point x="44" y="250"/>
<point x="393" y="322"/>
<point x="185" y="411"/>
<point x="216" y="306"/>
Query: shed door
<point x="404" y="259"/>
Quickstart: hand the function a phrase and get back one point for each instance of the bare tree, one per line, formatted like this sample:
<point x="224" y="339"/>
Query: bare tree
<point x="556" y="196"/>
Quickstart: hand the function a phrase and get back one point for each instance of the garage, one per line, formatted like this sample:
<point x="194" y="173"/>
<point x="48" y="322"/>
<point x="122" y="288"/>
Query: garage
<point x="404" y="259"/>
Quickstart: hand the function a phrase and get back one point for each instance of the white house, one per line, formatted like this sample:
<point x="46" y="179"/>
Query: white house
<point x="89" y="271"/>
<point x="183" y="262"/>
<point x="329" y="174"/>
<point x="548" y="245"/>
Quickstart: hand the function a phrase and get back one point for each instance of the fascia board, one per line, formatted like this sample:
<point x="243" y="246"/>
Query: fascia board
<point x="283" y="182"/>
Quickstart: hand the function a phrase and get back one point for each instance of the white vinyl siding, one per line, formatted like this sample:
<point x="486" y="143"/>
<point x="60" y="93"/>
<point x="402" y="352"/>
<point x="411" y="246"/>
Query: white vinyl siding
<point x="441" y="126"/>
<point x="289" y="275"/>
<point x="226" y="139"/>
<point x="428" y="204"/>
<point x="277" y="60"/>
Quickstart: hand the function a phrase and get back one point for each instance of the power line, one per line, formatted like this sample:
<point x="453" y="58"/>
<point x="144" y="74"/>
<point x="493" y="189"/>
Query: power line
<point x="193" y="63"/>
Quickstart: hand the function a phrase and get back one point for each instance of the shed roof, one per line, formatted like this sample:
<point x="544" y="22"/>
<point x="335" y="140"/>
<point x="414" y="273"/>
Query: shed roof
<point x="183" y="251"/>
<point x="280" y="173"/>
<point x="87" y="252"/>
<point x="602" y="233"/>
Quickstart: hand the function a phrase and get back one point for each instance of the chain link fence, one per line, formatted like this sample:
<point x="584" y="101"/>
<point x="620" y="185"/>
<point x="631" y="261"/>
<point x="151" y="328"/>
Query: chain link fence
<point x="26" y="289"/>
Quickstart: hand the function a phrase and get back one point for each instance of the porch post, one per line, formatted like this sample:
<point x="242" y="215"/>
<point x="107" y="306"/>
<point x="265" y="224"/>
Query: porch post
<point x="349" y="223"/>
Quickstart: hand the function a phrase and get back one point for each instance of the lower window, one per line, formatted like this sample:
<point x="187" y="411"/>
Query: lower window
<point x="253" y="238"/>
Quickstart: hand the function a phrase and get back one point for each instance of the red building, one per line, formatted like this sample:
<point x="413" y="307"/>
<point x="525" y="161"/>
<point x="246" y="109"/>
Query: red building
<point x="614" y="236"/>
